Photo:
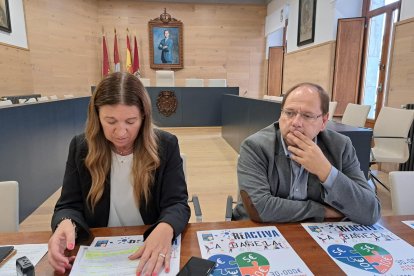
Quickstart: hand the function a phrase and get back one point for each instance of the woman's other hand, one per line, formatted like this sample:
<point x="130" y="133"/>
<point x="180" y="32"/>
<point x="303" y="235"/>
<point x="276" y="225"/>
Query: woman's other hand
<point x="156" y="251"/>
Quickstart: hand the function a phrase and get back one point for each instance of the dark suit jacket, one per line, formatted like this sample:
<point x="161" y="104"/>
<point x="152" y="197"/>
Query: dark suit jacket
<point x="264" y="174"/>
<point x="168" y="201"/>
<point x="166" y="54"/>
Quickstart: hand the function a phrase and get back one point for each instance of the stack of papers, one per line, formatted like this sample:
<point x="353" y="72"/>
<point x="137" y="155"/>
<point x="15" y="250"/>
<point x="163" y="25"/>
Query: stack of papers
<point x="109" y="256"/>
<point x="34" y="252"/>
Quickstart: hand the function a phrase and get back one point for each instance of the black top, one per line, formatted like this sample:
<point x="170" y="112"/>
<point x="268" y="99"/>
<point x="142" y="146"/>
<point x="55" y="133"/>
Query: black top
<point x="168" y="202"/>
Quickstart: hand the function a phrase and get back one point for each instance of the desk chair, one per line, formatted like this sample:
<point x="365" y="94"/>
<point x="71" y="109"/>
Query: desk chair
<point x="31" y="100"/>
<point x="248" y="205"/>
<point x="391" y="138"/>
<point x="355" y="115"/>
<point x="194" y="82"/>
<point x="278" y="99"/>
<point x="6" y="102"/>
<point x="217" y="82"/>
<point x="43" y="99"/>
<point x="402" y="192"/>
<point x="146" y="82"/>
<point x="230" y="202"/>
<point x="332" y="108"/>
<point x="194" y="198"/>
<point x="164" y="78"/>
<point x="9" y="204"/>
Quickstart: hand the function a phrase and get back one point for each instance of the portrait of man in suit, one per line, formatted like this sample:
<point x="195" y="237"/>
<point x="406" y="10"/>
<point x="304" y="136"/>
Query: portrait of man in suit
<point x="166" y="42"/>
<point x="166" y="46"/>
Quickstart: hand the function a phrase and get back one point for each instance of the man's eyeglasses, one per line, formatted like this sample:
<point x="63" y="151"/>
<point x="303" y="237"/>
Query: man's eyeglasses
<point x="309" y="117"/>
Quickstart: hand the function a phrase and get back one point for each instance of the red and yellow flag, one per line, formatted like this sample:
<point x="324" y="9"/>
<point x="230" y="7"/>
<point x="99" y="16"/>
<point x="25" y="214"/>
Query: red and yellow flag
<point x="128" y="62"/>
<point x="116" y="55"/>
<point x="105" y="61"/>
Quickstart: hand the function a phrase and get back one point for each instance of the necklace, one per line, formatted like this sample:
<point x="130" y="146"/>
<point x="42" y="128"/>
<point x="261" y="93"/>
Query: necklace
<point x="124" y="152"/>
<point x="122" y="158"/>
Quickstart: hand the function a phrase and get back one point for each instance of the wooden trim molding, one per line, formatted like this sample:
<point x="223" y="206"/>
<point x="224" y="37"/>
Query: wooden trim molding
<point x="312" y="47"/>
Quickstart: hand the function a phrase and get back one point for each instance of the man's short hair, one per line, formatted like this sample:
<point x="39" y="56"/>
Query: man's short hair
<point x="323" y="95"/>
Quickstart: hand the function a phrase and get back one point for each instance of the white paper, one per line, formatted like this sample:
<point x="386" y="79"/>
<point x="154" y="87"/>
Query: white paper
<point x="250" y="251"/>
<point x="34" y="252"/>
<point x="410" y="223"/>
<point x="363" y="250"/>
<point x="109" y="256"/>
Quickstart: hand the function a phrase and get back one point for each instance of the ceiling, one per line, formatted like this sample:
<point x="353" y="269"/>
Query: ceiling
<point x="257" y="2"/>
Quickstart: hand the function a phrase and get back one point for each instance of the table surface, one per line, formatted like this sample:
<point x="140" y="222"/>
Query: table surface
<point x="304" y="245"/>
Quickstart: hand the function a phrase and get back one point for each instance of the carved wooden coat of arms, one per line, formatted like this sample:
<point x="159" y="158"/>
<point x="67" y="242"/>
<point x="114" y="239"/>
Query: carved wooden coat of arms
<point x="167" y="103"/>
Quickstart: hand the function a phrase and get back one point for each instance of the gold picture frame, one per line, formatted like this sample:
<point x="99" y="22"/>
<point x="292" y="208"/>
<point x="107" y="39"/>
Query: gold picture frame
<point x="166" y="42"/>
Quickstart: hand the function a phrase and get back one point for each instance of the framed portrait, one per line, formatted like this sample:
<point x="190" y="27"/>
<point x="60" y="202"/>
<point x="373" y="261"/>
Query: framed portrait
<point x="166" y="42"/>
<point x="5" y="24"/>
<point x="306" y="22"/>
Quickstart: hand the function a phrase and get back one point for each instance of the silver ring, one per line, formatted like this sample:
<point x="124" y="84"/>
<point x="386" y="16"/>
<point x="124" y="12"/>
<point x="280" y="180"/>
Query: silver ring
<point x="161" y="255"/>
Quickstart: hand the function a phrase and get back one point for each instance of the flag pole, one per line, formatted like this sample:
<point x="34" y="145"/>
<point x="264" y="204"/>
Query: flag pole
<point x="105" y="58"/>
<point x="116" y="54"/>
<point x="128" y="60"/>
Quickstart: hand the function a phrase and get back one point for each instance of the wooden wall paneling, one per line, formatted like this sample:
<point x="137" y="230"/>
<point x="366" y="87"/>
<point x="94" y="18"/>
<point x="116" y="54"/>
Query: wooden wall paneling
<point x="65" y="55"/>
<point x="15" y="71"/>
<point x="64" y="46"/>
<point x="313" y="64"/>
<point x="401" y="78"/>
<point x="348" y="59"/>
<point x="275" y="73"/>
<point x="220" y="41"/>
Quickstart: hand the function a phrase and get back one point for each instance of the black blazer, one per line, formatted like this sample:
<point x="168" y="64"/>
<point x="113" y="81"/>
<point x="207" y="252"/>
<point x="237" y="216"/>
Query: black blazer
<point x="169" y="195"/>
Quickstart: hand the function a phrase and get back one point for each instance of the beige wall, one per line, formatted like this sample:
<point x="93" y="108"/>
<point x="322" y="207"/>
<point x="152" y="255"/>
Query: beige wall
<point x="15" y="71"/>
<point x="63" y="50"/>
<point x="314" y="64"/>
<point x="220" y="41"/>
<point x="401" y="84"/>
<point x="63" y="43"/>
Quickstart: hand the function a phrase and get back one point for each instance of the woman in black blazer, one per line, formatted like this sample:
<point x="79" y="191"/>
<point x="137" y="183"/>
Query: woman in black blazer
<point x="121" y="172"/>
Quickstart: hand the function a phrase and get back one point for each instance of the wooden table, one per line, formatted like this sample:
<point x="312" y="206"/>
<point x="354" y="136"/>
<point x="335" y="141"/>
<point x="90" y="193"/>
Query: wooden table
<point x="310" y="252"/>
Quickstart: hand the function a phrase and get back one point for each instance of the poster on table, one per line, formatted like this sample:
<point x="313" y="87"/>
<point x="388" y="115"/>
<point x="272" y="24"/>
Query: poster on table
<point x="363" y="250"/>
<point x="410" y="223"/>
<point x="250" y="251"/>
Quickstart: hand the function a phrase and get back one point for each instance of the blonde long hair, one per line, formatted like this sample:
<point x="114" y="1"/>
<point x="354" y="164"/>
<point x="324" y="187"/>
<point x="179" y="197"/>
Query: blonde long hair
<point x="121" y="88"/>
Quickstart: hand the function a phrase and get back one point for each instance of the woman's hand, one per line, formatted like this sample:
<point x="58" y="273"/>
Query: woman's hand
<point x="62" y="239"/>
<point x="156" y="251"/>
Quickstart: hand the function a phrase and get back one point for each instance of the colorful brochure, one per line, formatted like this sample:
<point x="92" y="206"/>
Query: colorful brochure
<point x="363" y="250"/>
<point x="250" y="251"/>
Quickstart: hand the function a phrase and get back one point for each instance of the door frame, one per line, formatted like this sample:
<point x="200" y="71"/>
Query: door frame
<point x="388" y="10"/>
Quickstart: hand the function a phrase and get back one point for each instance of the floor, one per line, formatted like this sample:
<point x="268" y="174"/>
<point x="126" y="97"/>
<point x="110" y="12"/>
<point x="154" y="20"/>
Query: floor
<point x="211" y="174"/>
